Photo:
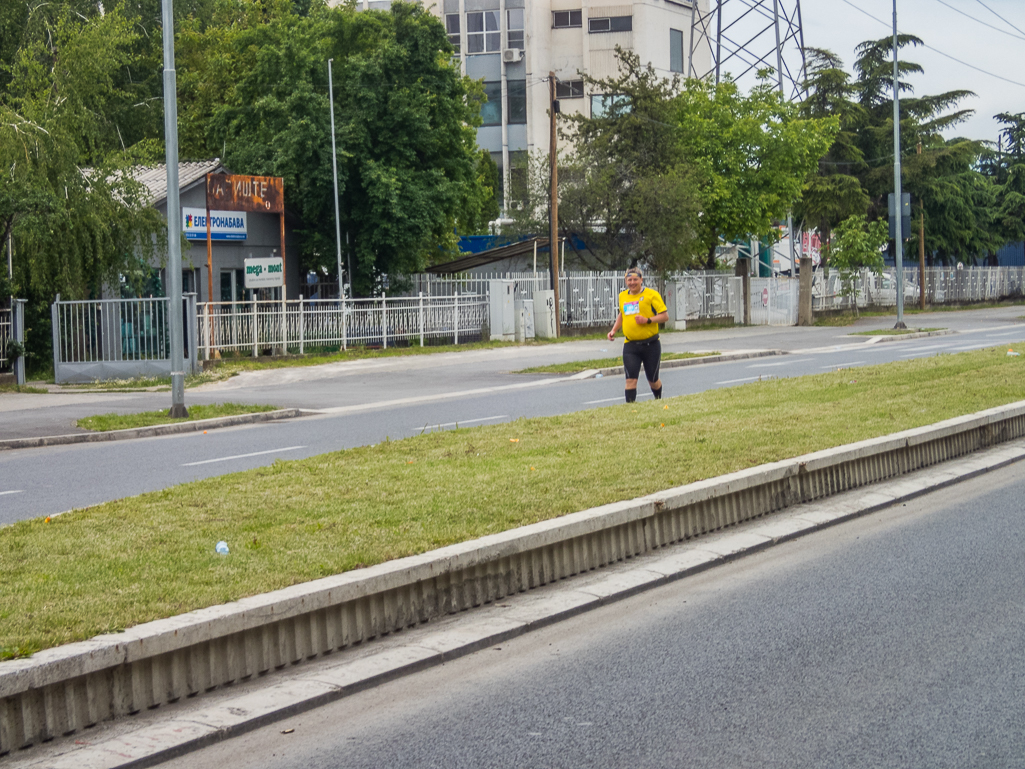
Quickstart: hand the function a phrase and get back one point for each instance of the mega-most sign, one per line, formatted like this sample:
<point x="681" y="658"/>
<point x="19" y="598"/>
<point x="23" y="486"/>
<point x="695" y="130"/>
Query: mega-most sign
<point x="224" y="225"/>
<point x="265" y="272"/>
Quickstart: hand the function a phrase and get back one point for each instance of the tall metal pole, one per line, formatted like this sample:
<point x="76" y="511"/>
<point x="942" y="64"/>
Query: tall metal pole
<point x="553" y="217"/>
<point x="334" y="170"/>
<point x="174" y="219"/>
<point x="899" y="245"/>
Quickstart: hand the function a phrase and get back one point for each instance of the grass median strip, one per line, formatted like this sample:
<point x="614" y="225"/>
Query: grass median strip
<point x="576" y="366"/>
<point x="114" y="565"/>
<point x="104" y="422"/>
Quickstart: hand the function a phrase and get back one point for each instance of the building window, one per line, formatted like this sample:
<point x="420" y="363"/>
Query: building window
<point x="491" y="111"/>
<point x="611" y="24"/>
<point x="452" y="27"/>
<point x="483" y="32"/>
<point x="569" y="89"/>
<point x="514" y="25"/>
<point x="517" y="94"/>
<point x="609" y="105"/>
<point x="675" y="50"/>
<point x="564" y="19"/>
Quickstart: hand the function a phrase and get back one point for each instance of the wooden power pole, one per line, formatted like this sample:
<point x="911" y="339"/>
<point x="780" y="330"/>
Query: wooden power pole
<point x="553" y="217"/>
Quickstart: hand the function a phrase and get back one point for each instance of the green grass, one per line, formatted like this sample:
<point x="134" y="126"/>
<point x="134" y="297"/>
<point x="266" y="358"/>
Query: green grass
<point x="893" y="331"/>
<point x="13" y="388"/>
<point x="576" y="366"/>
<point x="104" y="422"/>
<point x="114" y="565"/>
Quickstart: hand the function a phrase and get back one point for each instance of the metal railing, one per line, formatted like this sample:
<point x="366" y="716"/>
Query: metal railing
<point x="298" y="325"/>
<point x="943" y="285"/>
<point x="6" y="335"/>
<point x="111" y="330"/>
<point x="116" y="338"/>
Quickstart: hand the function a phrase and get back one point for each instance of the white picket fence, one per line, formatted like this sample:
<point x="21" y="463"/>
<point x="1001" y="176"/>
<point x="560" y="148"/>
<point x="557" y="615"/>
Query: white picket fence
<point x="304" y="324"/>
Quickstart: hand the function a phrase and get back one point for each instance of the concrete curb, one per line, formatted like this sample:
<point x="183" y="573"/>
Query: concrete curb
<point x="903" y="337"/>
<point x="594" y="372"/>
<point x="416" y="650"/>
<point x="66" y="689"/>
<point x="147" y="432"/>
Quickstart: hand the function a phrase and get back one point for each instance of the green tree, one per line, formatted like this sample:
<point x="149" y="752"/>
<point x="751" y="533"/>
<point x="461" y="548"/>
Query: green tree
<point x="752" y="155"/>
<point x="834" y="191"/>
<point x="76" y="218"/>
<point x="857" y="246"/>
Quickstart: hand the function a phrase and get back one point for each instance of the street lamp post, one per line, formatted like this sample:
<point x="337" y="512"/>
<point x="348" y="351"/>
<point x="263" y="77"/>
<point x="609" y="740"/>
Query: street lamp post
<point x="334" y="170"/>
<point x="174" y="219"/>
<point x="899" y="244"/>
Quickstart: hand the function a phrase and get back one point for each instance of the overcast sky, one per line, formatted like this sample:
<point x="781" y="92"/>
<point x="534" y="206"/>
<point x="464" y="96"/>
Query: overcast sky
<point x="840" y="27"/>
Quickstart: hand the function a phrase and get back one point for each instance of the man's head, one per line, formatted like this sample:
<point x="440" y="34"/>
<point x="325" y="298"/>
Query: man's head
<point x="634" y="279"/>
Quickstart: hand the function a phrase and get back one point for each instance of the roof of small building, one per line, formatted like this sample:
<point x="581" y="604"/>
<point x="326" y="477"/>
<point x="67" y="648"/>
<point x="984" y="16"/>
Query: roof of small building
<point x="154" y="178"/>
<point x="469" y="261"/>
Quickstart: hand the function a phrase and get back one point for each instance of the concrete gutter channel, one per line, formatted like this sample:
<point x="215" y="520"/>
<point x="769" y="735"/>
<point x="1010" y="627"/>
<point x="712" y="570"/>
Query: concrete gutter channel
<point x="327" y="622"/>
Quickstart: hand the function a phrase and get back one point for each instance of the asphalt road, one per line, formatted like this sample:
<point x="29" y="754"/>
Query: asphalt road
<point x="370" y="401"/>
<point x="895" y="640"/>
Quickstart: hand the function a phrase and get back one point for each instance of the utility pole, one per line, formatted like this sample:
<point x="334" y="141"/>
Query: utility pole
<point x="334" y="170"/>
<point x="921" y="248"/>
<point x="899" y="244"/>
<point x="174" y="220"/>
<point x="553" y="217"/>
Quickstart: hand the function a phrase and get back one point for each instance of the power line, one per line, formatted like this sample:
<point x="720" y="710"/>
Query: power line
<point x="998" y="16"/>
<point x="938" y="51"/>
<point x="980" y="21"/>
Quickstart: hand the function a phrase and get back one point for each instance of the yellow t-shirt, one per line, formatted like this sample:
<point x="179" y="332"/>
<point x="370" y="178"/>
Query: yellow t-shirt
<point x="647" y="303"/>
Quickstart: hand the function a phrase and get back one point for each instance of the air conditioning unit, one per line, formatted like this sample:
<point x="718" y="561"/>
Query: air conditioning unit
<point x="512" y="55"/>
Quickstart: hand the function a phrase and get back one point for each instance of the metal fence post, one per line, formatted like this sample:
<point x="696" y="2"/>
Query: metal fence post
<point x="421" y="318"/>
<point x="384" y="320"/>
<point x="256" y="329"/>
<point x="55" y="320"/>
<point x="19" y="337"/>
<point x="455" y="307"/>
<point x="193" y="334"/>
<point x="302" y="330"/>
<point x="344" y="340"/>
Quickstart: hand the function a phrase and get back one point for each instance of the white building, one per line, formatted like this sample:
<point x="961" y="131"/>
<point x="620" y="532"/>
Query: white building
<point x="512" y="45"/>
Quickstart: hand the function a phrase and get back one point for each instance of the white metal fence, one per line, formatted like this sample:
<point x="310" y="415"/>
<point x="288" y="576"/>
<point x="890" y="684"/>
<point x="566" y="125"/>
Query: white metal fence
<point x="303" y="324"/>
<point x="942" y="286"/>
<point x="116" y="338"/>
<point x="6" y="335"/>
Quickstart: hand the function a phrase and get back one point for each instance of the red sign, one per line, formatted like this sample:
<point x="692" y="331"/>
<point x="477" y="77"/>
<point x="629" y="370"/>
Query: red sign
<point x="233" y="192"/>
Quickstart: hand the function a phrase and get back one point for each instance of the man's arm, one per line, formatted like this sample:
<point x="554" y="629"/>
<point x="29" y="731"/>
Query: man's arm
<point x="616" y="326"/>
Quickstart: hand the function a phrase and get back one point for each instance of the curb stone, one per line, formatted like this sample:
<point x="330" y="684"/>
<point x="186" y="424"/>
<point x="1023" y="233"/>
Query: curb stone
<point x="172" y="734"/>
<point x="594" y="372"/>
<point x="148" y="432"/>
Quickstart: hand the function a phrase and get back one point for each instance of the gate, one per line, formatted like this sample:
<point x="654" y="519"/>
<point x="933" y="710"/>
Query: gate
<point x="118" y="338"/>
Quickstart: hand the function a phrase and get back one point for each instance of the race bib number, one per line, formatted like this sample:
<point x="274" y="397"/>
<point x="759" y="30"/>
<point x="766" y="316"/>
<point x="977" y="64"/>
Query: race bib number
<point x="631" y="308"/>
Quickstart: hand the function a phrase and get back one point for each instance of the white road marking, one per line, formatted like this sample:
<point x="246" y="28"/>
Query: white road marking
<point x="620" y="398"/>
<point x="745" y="379"/>
<point x="845" y="365"/>
<point x="461" y="422"/>
<point x="16" y="491"/>
<point x="242" y="456"/>
<point x="916" y="354"/>
<point x="781" y="363"/>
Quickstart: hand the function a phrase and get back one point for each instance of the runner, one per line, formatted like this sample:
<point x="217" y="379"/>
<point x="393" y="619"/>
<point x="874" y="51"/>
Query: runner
<point x="640" y="311"/>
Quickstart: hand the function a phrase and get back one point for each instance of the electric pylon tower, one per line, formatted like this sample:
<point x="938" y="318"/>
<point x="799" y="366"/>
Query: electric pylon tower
<point x="744" y="36"/>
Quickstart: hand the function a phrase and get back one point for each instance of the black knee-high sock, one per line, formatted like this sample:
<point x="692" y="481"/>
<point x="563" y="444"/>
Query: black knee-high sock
<point x="657" y="392"/>
<point x="631" y="395"/>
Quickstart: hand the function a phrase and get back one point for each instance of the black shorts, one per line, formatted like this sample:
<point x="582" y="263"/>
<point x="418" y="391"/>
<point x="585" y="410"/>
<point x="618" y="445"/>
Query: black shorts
<point x="647" y="352"/>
